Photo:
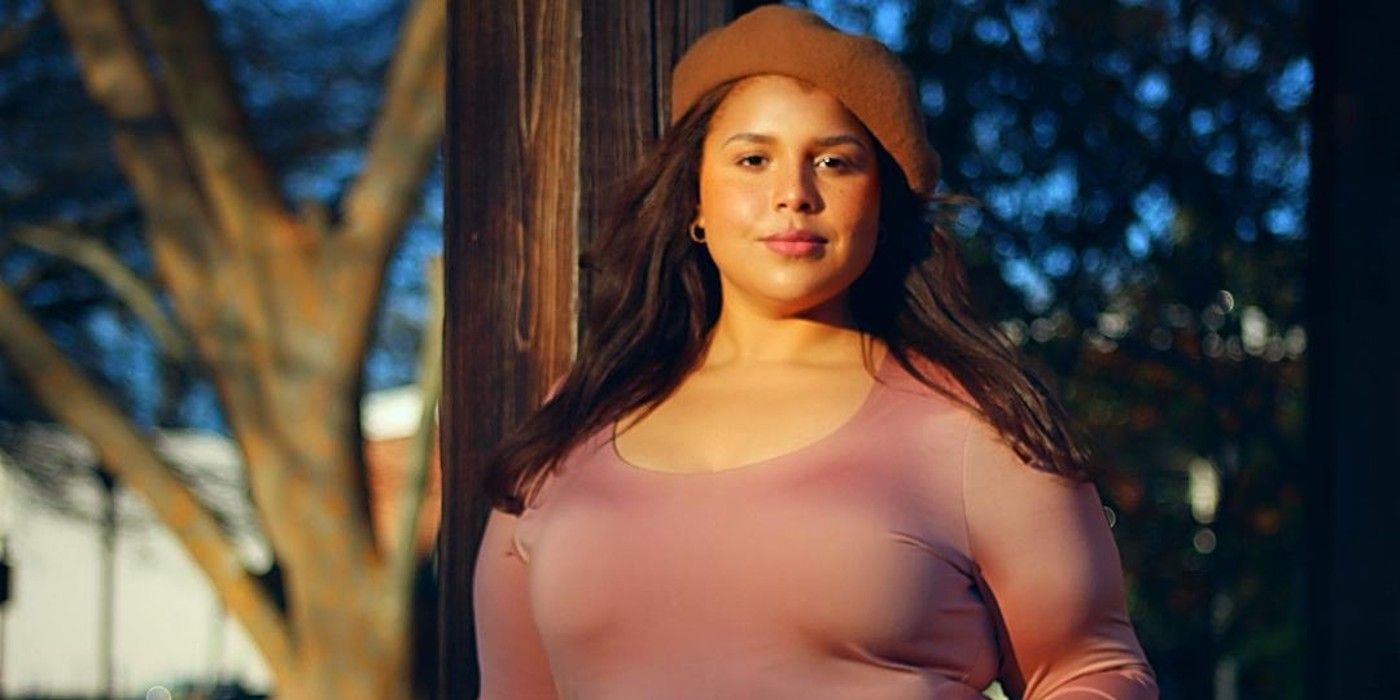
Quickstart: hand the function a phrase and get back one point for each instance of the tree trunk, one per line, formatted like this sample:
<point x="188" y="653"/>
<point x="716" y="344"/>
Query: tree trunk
<point x="359" y="651"/>
<point x="279" y="307"/>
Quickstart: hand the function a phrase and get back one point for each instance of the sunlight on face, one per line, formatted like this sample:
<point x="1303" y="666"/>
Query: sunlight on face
<point x="789" y="197"/>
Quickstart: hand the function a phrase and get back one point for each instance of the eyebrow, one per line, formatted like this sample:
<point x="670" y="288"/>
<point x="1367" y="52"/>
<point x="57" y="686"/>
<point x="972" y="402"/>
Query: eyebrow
<point x="824" y="142"/>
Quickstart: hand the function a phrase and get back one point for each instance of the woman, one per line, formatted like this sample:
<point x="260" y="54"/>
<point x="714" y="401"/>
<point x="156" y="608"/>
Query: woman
<point x="789" y="461"/>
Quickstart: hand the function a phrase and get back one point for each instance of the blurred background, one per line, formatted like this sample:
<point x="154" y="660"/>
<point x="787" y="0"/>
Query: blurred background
<point x="202" y="256"/>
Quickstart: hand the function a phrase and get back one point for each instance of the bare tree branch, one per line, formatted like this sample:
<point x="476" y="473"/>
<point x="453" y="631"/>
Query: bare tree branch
<point x="222" y="296"/>
<point x="404" y="552"/>
<point x="90" y="254"/>
<point x="117" y="78"/>
<point x="204" y="106"/>
<point x="400" y="153"/>
<point x="406" y="135"/>
<point x="72" y="399"/>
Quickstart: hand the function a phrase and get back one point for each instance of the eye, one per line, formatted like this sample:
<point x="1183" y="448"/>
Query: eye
<point x="834" y="162"/>
<point x="754" y="160"/>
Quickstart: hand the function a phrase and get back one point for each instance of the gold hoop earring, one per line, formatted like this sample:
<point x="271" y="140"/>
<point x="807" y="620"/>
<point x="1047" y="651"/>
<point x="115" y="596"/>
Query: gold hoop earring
<point x="698" y="239"/>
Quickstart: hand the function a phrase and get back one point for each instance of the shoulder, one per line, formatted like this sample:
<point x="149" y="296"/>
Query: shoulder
<point x="924" y="407"/>
<point x="937" y="385"/>
<point x="927" y="377"/>
<point x="1008" y="500"/>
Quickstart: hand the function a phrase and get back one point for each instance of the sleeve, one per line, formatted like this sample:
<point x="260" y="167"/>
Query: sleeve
<point x="509" y="651"/>
<point x="1045" y="553"/>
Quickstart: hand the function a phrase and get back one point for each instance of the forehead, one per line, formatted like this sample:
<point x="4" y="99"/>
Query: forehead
<point x="782" y="107"/>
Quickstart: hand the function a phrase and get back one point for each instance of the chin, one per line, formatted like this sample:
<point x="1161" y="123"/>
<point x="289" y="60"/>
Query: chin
<point x="799" y="300"/>
<point x="789" y="292"/>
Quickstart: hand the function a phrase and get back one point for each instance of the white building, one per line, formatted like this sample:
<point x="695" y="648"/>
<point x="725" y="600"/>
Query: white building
<point x="168" y="627"/>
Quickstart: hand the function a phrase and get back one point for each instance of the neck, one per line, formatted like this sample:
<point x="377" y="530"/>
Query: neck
<point x="746" y="335"/>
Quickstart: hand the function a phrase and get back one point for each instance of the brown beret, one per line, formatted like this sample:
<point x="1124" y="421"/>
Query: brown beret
<point x="867" y="77"/>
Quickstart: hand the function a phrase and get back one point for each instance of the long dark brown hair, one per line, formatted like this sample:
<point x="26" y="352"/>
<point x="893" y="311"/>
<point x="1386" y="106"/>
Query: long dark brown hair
<point x="655" y="295"/>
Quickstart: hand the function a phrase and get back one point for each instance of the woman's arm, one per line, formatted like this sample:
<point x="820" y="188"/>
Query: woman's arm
<point x="508" y="647"/>
<point x="1045" y="551"/>
<point x="509" y="652"/>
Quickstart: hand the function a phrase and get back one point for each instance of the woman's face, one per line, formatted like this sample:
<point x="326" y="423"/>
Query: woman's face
<point x="789" y="197"/>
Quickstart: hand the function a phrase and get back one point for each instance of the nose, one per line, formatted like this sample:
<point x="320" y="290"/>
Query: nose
<point x="795" y="189"/>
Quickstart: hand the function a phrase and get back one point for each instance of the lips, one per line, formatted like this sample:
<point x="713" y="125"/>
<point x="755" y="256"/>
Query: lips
<point x="797" y="234"/>
<point x="795" y="242"/>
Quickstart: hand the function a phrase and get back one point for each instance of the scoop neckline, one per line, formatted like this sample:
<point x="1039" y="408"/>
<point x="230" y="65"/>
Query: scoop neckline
<point x="609" y="433"/>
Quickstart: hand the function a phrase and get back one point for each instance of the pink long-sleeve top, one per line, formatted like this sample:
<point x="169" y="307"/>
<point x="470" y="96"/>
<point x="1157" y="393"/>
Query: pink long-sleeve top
<point x="907" y="555"/>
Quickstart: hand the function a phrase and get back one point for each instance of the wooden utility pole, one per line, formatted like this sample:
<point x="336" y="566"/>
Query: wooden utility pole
<point x="549" y="104"/>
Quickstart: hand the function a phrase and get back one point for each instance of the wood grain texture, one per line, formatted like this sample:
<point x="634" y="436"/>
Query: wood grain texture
<point x="618" y="103"/>
<point x="510" y="248"/>
<point x="677" y="25"/>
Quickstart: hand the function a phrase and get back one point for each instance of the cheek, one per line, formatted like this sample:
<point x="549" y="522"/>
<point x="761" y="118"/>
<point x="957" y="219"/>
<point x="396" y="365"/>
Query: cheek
<point x="870" y="203"/>
<point x="865" y="230"/>
<point x="724" y="203"/>
<point x="864" y="221"/>
<point x="862" y="251"/>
